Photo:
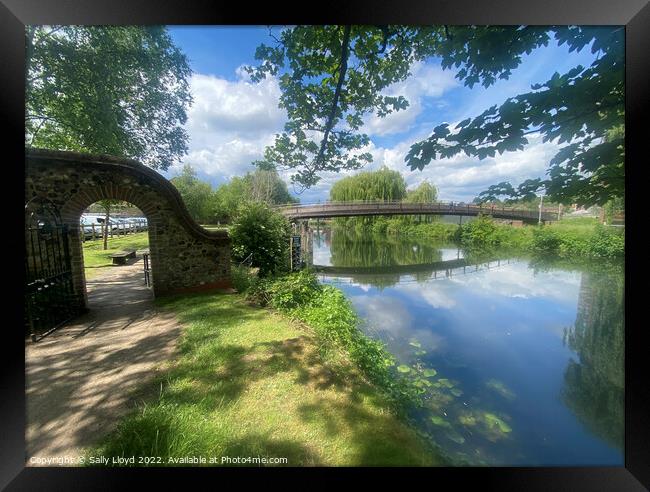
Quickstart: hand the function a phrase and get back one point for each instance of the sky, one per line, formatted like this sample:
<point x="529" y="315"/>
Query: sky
<point x="232" y="119"/>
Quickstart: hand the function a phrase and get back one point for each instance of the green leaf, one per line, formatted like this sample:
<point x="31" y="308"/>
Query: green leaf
<point x="437" y="420"/>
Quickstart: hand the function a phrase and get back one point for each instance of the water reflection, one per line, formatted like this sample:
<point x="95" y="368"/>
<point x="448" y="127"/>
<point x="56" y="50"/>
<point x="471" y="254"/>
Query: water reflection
<point x="594" y="381"/>
<point x="525" y="358"/>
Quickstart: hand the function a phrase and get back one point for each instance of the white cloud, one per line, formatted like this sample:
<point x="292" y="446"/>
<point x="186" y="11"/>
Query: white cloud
<point x="230" y="123"/>
<point x="462" y="177"/>
<point x="429" y="81"/>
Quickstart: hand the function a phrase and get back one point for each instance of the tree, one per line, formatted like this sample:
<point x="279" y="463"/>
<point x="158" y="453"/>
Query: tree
<point x="265" y="185"/>
<point x="334" y="75"/>
<point x="424" y="193"/>
<point x="120" y="90"/>
<point x="230" y="197"/>
<point x="382" y="185"/>
<point x="197" y="195"/>
<point x="107" y="206"/>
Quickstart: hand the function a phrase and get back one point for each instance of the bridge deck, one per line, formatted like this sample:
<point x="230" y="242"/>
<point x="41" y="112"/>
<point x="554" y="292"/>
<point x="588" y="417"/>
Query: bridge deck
<point x="342" y="209"/>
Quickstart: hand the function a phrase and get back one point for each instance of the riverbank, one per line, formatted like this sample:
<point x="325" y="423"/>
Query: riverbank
<point x="518" y="344"/>
<point x="581" y="237"/>
<point x="249" y="382"/>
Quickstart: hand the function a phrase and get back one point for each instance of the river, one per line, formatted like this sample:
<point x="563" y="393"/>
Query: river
<point x="528" y="356"/>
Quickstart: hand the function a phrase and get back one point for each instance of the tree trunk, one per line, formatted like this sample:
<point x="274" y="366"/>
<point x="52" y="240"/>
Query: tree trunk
<point x="106" y="217"/>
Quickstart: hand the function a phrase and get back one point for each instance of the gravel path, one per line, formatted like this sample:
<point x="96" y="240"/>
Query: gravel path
<point x="83" y="377"/>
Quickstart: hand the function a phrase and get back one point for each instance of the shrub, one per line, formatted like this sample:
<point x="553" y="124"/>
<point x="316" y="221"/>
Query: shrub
<point x="242" y="277"/>
<point x="479" y="233"/>
<point x="264" y="234"/>
<point x="258" y="292"/>
<point x="292" y="291"/>
<point x="545" y="241"/>
<point x="380" y="225"/>
<point x="604" y="243"/>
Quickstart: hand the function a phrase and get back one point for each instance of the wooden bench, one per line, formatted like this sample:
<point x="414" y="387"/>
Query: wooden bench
<point x="121" y="257"/>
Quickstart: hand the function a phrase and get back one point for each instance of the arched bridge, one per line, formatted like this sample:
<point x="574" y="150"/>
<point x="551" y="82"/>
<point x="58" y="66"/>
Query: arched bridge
<point x="448" y="268"/>
<point x="351" y="209"/>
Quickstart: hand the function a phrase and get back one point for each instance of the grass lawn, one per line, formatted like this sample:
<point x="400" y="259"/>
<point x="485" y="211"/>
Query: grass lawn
<point x="96" y="258"/>
<point x="215" y="227"/>
<point x="249" y="382"/>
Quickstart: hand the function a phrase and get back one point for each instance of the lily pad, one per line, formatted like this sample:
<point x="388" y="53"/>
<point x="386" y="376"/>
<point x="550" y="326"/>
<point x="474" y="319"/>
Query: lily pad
<point x="467" y="419"/>
<point x="456" y="392"/>
<point x="404" y="368"/>
<point x="445" y="382"/>
<point x="494" y="422"/>
<point x="415" y="344"/>
<point x="437" y="420"/>
<point x="429" y="373"/>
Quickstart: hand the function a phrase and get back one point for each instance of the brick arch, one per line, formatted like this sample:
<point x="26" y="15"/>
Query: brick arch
<point x="184" y="256"/>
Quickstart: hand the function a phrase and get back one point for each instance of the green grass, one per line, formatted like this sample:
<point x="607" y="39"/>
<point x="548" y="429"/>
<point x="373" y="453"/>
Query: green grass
<point x="96" y="258"/>
<point x="249" y="382"/>
<point x="215" y="227"/>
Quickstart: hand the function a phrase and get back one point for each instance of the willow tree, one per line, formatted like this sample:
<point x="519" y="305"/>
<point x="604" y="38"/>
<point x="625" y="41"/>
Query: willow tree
<point x="424" y="193"/>
<point x="368" y="186"/>
<point x="120" y="90"/>
<point x="381" y="185"/>
<point x="333" y="76"/>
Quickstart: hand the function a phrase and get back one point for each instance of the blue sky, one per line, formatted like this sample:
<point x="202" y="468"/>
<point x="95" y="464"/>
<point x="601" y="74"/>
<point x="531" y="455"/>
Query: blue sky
<point x="232" y="119"/>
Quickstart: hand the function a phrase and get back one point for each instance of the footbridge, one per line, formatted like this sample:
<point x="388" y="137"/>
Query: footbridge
<point x="432" y="268"/>
<point x="430" y="271"/>
<point x="352" y="209"/>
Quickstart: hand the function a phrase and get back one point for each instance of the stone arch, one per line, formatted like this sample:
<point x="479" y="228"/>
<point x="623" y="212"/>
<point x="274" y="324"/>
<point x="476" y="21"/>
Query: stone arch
<point x="184" y="256"/>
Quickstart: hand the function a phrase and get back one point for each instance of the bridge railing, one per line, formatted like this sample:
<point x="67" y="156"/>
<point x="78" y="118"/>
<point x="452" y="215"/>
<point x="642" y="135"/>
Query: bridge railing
<point x="441" y="205"/>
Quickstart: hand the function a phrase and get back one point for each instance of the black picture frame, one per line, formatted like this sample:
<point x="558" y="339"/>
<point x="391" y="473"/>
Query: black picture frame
<point x="634" y="14"/>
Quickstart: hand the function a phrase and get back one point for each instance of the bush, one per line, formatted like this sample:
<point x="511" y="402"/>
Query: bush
<point x="606" y="244"/>
<point x="292" y="291"/>
<point x="432" y="231"/>
<point x="545" y="241"/>
<point x="242" y="277"/>
<point x="479" y="233"/>
<point x="264" y="234"/>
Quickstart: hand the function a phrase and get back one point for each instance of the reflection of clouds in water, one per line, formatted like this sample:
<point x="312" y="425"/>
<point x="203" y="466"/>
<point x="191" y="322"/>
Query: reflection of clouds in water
<point x="321" y="256"/>
<point x="450" y="254"/>
<point x="341" y="282"/>
<point x="385" y="313"/>
<point x="391" y="316"/>
<point x="432" y="293"/>
<point x="363" y="287"/>
<point x="518" y="281"/>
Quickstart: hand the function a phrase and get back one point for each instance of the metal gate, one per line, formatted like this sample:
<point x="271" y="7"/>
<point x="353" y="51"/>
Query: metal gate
<point x="49" y="293"/>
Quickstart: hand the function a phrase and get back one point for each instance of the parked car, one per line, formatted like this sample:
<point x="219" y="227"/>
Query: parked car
<point x="138" y="223"/>
<point x="90" y="223"/>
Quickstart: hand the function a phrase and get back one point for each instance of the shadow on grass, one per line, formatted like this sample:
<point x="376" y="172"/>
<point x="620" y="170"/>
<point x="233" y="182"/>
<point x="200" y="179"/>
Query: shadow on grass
<point x="220" y="361"/>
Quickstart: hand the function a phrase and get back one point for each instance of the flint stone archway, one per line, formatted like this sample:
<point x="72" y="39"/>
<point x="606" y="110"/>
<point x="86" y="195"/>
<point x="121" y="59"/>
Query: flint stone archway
<point x="184" y="256"/>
